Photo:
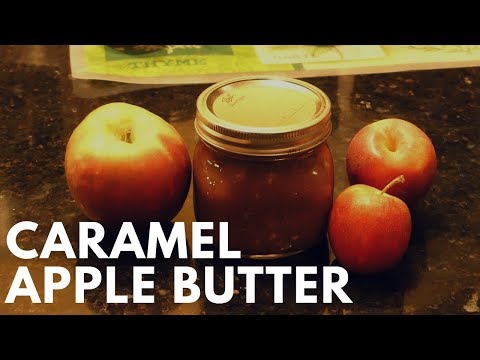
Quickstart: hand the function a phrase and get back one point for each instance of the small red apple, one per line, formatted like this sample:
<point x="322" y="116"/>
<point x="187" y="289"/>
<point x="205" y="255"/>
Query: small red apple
<point x="369" y="230"/>
<point x="124" y="163"/>
<point x="383" y="149"/>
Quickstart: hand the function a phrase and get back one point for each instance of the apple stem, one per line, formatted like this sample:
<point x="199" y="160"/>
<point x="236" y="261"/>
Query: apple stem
<point x="127" y="136"/>
<point x="397" y="180"/>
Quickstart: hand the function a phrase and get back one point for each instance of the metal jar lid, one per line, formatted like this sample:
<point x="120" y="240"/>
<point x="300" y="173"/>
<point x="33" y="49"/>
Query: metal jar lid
<point x="263" y="116"/>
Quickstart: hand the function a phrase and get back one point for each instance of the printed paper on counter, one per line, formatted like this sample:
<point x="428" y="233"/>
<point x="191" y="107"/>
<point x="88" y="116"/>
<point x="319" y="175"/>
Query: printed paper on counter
<point x="196" y="64"/>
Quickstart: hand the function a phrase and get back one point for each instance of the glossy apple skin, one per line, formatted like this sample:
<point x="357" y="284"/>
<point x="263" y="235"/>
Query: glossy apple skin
<point x="368" y="232"/>
<point x="145" y="178"/>
<point x="387" y="148"/>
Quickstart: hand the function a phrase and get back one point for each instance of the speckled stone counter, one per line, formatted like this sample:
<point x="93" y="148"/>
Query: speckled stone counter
<point x="41" y="105"/>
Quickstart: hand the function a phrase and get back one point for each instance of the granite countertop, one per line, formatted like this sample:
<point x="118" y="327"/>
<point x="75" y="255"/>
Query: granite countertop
<point x="41" y="105"/>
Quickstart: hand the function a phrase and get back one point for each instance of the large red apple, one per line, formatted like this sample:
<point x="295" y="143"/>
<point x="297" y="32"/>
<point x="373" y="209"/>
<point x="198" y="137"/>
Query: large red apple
<point x="369" y="230"/>
<point x="384" y="149"/>
<point x="124" y="163"/>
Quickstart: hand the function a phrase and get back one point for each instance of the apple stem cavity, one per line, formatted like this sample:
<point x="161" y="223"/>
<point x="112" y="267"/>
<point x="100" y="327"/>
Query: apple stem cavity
<point x="397" y="180"/>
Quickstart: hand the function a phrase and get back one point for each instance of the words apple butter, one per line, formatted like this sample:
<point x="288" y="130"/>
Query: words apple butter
<point x="263" y="164"/>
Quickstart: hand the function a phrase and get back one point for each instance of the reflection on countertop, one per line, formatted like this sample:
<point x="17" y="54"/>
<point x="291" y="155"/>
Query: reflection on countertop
<point x="440" y="274"/>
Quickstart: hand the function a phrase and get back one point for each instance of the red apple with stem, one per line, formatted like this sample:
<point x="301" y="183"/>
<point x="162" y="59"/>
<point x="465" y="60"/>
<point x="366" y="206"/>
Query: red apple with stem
<point x="369" y="230"/>
<point x="124" y="163"/>
<point x="383" y="149"/>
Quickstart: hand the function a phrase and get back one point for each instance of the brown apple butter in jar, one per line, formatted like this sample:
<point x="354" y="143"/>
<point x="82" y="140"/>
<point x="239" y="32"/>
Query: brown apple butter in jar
<point x="263" y="165"/>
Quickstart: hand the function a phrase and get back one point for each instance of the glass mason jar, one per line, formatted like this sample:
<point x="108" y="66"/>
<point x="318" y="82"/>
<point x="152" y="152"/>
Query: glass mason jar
<point x="263" y="165"/>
